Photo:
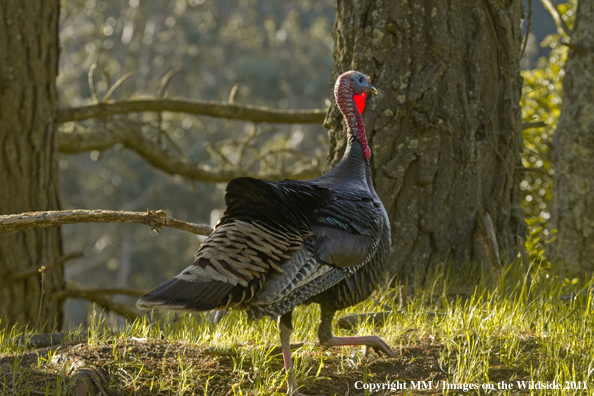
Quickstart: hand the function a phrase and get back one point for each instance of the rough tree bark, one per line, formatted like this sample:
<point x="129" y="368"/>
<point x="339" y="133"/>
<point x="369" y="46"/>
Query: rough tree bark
<point x="28" y="160"/>
<point x="573" y="150"/>
<point x="445" y="129"/>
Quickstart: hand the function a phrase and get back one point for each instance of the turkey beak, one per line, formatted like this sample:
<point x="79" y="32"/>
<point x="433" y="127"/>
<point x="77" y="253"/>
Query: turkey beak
<point x="370" y="88"/>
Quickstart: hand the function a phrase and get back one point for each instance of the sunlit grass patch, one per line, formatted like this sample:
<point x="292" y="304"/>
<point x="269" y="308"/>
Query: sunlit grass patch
<point x="517" y="329"/>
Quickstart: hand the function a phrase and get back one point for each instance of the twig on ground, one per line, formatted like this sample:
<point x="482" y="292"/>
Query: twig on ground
<point x="40" y="340"/>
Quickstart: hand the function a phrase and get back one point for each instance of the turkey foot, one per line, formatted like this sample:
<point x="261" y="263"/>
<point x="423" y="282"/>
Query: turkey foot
<point x="374" y="342"/>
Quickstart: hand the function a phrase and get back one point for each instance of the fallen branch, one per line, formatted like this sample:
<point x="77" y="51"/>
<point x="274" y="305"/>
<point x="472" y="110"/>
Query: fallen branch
<point x="213" y="109"/>
<point x="44" y="340"/>
<point x="32" y="271"/>
<point x="78" y="142"/>
<point x="155" y="220"/>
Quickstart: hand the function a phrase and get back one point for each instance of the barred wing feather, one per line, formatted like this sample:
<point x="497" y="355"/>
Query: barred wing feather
<point x="277" y="244"/>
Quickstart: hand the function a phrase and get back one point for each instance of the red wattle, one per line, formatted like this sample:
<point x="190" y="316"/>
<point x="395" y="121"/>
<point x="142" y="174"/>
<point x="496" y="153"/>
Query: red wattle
<point x="360" y="101"/>
<point x="366" y="152"/>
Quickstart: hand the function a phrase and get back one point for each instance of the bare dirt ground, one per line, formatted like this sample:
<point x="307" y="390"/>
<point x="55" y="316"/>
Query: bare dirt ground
<point x="92" y="369"/>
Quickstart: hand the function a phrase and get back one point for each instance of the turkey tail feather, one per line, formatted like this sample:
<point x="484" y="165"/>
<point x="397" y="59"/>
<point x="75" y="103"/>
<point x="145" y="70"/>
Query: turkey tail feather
<point x="178" y="294"/>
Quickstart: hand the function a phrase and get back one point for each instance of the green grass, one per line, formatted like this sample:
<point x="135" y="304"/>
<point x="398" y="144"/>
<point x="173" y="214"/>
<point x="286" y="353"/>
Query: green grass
<point x="448" y="331"/>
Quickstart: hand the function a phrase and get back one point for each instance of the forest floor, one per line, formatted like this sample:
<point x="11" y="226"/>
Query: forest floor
<point x="413" y="363"/>
<point x="482" y="341"/>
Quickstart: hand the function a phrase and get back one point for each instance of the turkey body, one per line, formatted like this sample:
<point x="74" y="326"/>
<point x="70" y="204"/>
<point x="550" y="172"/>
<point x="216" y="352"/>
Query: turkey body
<point x="281" y="244"/>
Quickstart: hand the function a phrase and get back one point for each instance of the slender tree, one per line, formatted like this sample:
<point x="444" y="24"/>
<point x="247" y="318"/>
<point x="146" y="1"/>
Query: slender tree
<point x="445" y="129"/>
<point x="573" y="149"/>
<point x="28" y="161"/>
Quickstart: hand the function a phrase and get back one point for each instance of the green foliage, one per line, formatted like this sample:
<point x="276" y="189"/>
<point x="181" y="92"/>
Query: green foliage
<point x="542" y="96"/>
<point x="534" y="245"/>
<point x="541" y="101"/>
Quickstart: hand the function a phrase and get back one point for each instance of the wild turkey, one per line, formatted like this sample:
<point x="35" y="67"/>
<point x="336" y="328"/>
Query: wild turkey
<point x="281" y="244"/>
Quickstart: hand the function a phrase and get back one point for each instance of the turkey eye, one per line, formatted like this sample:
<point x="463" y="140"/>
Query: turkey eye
<point x="361" y="80"/>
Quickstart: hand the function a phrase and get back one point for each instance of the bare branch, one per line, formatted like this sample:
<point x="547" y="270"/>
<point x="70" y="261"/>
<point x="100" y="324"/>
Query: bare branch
<point x="551" y="6"/>
<point x="92" y="83"/>
<point x="232" y="94"/>
<point x="527" y="29"/>
<point x="33" y="271"/>
<point x="577" y="48"/>
<point x="76" y="142"/>
<point x="243" y="143"/>
<point x="525" y="169"/>
<point x="537" y="124"/>
<point x="115" y="86"/>
<point x="166" y="79"/>
<point x="217" y="155"/>
<point x="173" y="143"/>
<point x="153" y="219"/>
<point x="75" y="291"/>
<point x="212" y="109"/>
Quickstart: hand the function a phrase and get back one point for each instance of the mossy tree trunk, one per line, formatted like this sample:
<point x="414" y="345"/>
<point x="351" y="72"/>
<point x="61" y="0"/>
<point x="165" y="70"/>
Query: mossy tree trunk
<point x="573" y="152"/>
<point x="445" y="129"/>
<point x="28" y="160"/>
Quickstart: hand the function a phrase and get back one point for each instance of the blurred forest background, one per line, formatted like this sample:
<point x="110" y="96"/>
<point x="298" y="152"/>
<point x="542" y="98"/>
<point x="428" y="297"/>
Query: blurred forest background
<point x="275" y="54"/>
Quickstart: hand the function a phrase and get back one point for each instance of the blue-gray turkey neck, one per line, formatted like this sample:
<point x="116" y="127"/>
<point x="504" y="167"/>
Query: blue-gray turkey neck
<point x="367" y="278"/>
<point x="280" y="244"/>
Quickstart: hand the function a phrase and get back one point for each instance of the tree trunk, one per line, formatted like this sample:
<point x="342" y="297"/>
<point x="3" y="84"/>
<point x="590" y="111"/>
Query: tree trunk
<point x="573" y="154"/>
<point x="445" y="128"/>
<point x="28" y="161"/>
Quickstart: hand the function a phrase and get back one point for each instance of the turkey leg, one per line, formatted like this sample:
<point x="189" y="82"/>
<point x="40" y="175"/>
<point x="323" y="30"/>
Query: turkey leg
<point x="327" y="339"/>
<point x="285" y="327"/>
